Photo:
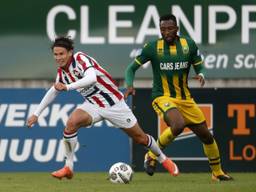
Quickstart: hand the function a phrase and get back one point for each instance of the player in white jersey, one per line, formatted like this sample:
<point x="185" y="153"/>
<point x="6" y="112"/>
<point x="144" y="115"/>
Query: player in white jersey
<point x="103" y="100"/>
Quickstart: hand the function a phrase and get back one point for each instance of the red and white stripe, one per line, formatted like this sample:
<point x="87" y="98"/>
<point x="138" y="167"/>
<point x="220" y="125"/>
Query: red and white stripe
<point x="107" y="92"/>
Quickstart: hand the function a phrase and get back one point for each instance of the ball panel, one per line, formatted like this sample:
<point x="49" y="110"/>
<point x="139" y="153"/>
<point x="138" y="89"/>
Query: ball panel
<point x="120" y="173"/>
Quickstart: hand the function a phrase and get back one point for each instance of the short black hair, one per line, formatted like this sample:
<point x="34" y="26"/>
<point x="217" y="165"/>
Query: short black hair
<point x="63" y="41"/>
<point x="167" y="17"/>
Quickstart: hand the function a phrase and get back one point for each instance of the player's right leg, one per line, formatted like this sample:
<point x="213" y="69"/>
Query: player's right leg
<point x="121" y="116"/>
<point x="77" y="119"/>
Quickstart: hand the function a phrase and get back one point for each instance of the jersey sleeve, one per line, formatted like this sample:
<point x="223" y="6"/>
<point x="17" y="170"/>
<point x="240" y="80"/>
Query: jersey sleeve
<point x="144" y="56"/>
<point x="89" y="79"/>
<point x="84" y="61"/>
<point x="196" y="58"/>
<point x="141" y="59"/>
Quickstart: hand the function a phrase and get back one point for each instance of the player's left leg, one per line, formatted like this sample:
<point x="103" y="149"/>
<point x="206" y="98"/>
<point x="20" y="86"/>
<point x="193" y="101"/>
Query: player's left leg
<point x="167" y="109"/>
<point x="211" y="150"/>
<point x="77" y="119"/>
<point x="163" y="141"/>
<point x="137" y="134"/>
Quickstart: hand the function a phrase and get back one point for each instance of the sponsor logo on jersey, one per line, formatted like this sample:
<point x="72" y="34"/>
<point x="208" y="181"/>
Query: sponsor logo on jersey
<point x="173" y="66"/>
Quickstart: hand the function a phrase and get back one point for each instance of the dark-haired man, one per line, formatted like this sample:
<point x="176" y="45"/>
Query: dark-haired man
<point x="78" y="71"/>
<point x="171" y="58"/>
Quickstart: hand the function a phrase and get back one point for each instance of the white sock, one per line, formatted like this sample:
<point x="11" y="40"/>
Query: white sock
<point x="152" y="145"/>
<point x="70" y="141"/>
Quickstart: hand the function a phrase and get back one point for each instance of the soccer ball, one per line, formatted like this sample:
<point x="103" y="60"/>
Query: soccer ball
<point x="120" y="173"/>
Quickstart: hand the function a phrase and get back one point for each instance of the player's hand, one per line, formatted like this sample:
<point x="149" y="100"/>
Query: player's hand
<point x="129" y="91"/>
<point x="200" y="78"/>
<point x="60" y="87"/>
<point x="32" y="120"/>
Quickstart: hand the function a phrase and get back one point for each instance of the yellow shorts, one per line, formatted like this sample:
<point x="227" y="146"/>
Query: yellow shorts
<point x="190" y="111"/>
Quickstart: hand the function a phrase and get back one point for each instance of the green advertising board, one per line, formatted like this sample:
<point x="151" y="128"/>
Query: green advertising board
<point x="113" y="32"/>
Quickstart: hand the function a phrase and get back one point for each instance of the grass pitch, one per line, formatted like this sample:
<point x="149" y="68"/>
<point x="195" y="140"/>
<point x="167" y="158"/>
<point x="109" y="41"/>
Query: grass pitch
<point x="97" y="182"/>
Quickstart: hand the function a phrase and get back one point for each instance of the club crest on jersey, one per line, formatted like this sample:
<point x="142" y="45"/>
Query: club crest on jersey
<point x="76" y="73"/>
<point x="185" y="49"/>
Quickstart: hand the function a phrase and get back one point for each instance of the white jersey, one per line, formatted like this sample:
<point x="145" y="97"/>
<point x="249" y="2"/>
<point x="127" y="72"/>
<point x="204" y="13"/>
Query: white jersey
<point x="103" y="93"/>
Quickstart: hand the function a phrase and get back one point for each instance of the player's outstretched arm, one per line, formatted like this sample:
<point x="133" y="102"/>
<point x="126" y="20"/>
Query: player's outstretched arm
<point x="48" y="98"/>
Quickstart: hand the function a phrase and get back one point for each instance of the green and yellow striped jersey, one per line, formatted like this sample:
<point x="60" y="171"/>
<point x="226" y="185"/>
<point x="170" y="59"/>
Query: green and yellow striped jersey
<point x="171" y="65"/>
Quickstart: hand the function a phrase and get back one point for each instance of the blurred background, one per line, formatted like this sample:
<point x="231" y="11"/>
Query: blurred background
<point x="113" y="32"/>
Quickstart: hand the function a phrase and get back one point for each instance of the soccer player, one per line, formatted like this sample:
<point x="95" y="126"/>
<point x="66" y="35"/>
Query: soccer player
<point x="171" y="58"/>
<point x="102" y="100"/>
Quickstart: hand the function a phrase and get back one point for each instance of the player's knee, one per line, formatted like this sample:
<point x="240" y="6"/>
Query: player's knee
<point x="71" y="125"/>
<point x="178" y="128"/>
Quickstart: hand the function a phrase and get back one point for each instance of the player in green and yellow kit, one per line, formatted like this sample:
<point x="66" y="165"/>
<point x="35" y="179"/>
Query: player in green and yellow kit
<point x="171" y="58"/>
